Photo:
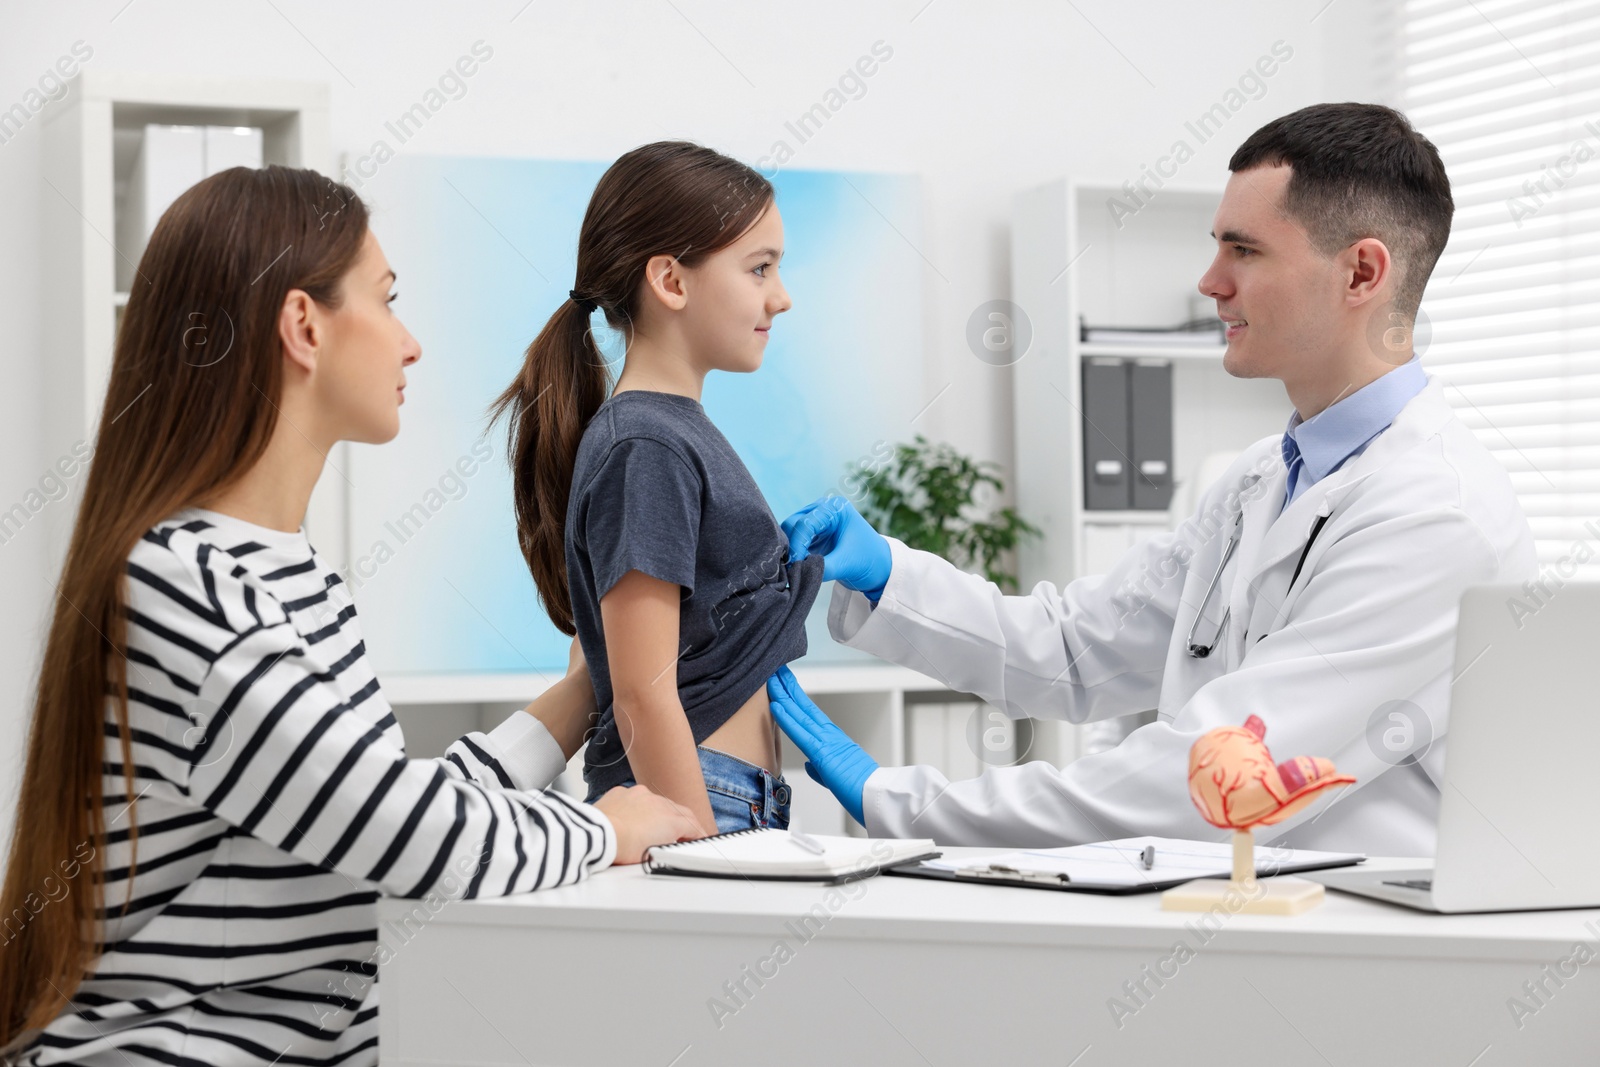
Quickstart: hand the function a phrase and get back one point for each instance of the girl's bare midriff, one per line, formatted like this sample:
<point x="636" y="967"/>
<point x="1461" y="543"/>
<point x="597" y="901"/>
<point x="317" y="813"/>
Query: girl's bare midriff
<point x="750" y="734"/>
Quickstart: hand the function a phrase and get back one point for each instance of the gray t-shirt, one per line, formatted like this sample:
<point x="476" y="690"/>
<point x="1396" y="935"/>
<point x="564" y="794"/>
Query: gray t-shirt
<point x="657" y="488"/>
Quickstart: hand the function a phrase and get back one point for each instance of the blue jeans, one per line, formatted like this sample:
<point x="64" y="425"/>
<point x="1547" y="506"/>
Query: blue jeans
<point x="742" y="795"/>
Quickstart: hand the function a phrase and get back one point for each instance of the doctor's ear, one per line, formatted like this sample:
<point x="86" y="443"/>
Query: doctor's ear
<point x="301" y="329"/>
<point x="1367" y="269"/>
<point x="665" y="280"/>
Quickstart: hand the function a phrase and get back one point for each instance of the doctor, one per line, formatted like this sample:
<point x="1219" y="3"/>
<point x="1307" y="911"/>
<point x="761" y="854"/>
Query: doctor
<point x="1316" y="585"/>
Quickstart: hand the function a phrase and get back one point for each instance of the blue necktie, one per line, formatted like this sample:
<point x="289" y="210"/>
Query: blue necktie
<point x="1296" y="464"/>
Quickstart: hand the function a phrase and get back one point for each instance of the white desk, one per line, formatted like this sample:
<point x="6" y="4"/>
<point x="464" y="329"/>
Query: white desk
<point x="625" y="969"/>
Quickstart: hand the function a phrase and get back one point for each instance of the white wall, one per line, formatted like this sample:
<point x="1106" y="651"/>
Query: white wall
<point x="980" y="98"/>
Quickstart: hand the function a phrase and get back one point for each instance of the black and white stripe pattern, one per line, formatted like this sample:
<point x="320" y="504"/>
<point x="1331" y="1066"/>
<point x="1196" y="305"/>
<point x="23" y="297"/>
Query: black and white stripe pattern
<point x="274" y="802"/>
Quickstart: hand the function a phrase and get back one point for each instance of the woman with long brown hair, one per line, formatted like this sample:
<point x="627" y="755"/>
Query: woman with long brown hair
<point x="216" y="791"/>
<point x="645" y="533"/>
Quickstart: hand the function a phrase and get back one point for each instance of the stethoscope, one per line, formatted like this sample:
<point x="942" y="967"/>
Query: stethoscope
<point x="1201" y="651"/>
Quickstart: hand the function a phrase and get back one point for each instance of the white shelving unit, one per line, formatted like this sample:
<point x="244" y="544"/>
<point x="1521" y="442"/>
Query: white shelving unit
<point x="90" y="141"/>
<point x="1070" y="257"/>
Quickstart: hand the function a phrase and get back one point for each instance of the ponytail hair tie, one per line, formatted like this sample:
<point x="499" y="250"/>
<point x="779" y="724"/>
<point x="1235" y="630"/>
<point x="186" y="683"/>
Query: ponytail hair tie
<point x="586" y="306"/>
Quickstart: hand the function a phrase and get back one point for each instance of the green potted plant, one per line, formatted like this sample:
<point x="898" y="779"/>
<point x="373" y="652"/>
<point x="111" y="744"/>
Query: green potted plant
<point x="927" y="496"/>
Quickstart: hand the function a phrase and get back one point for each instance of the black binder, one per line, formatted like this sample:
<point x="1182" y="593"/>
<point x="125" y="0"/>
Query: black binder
<point x="1150" y="433"/>
<point x="1105" y="435"/>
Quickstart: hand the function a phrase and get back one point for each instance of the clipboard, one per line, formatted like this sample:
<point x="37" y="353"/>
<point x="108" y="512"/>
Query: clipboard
<point x="1001" y="873"/>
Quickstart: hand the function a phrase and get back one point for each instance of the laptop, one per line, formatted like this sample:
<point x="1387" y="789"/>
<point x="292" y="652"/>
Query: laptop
<point x="1521" y="799"/>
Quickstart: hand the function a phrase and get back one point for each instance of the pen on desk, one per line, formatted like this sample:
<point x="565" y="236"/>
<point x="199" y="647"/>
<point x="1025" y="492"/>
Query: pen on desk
<point x="1148" y="856"/>
<point x="807" y="842"/>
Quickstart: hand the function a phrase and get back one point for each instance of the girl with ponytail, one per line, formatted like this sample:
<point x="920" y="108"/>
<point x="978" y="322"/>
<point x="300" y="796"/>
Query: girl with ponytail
<point x="645" y="533"/>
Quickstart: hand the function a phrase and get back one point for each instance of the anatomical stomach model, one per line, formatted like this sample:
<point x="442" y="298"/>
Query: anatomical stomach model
<point x="1236" y="785"/>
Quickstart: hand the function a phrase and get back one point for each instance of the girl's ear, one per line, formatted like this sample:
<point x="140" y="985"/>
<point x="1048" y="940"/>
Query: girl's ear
<point x="665" y="279"/>
<point x="300" y="329"/>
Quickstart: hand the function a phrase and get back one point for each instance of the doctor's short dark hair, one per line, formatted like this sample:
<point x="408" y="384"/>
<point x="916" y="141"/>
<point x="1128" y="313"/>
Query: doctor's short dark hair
<point x="1361" y="170"/>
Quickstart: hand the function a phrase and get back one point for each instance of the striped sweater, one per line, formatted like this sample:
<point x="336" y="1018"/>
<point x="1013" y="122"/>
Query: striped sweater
<point x="274" y="803"/>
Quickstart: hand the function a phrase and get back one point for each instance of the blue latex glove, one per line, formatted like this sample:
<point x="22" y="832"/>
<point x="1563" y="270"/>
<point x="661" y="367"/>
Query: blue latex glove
<point x="832" y="758"/>
<point x="853" y="552"/>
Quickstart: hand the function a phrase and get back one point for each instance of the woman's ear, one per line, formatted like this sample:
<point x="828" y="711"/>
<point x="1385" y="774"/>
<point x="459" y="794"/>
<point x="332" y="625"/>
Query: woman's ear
<point x="300" y="329"/>
<point x="664" y="279"/>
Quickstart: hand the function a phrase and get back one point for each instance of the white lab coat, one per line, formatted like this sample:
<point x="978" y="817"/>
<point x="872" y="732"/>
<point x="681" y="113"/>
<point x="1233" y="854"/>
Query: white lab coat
<point x="1420" y="515"/>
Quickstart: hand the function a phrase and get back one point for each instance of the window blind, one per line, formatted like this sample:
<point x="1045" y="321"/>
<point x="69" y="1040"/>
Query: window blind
<point x="1509" y="91"/>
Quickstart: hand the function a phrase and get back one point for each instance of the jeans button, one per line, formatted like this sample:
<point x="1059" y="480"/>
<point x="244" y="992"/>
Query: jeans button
<point x="781" y="794"/>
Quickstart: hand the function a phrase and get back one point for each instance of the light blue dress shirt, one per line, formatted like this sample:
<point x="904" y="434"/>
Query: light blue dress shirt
<point x="1318" y="446"/>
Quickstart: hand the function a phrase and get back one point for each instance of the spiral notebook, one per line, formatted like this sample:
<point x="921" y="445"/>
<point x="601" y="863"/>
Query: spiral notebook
<point x="766" y="854"/>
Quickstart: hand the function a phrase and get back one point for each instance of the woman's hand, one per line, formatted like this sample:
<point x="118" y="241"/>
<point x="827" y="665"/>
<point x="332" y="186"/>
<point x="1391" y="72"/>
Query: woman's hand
<point x="642" y="818"/>
<point x="567" y="708"/>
